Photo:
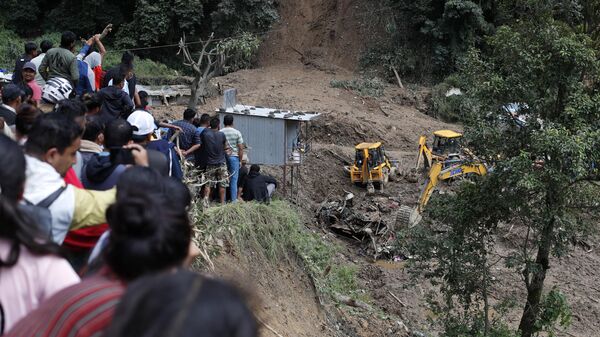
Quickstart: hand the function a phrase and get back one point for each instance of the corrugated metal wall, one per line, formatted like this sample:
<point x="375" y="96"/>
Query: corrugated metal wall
<point x="265" y="136"/>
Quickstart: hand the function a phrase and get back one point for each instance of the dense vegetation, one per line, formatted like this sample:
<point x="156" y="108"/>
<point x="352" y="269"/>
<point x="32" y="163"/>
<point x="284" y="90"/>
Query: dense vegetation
<point x="138" y="23"/>
<point x="426" y="39"/>
<point x="544" y="170"/>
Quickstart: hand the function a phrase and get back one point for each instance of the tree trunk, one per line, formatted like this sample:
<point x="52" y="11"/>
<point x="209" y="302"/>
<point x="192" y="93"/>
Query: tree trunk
<point x="195" y="92"/>
<point x="536" y="285"/>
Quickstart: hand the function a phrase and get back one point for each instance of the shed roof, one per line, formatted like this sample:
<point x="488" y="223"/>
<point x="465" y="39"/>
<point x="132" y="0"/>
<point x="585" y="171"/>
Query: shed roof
<point x="260" y="111"/>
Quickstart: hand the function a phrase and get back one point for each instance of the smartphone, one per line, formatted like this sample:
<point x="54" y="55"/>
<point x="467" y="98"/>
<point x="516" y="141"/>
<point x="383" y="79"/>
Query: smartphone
<point x="122" y="156"/>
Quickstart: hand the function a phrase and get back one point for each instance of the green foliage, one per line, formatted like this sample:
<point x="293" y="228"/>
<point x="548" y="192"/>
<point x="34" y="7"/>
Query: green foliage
<point x="447" y="103"/>
<point x="555" y="309"/>
<point x="21" y="15"/>
<point x="234" y="15"/>
<point x="425" y="38"/>
<point x="11" y="47"/>
<point x="365" y="87"/>
<point x="241" y="51"/>
<point x="542" y="168"/>
<point x="144" y="68"/>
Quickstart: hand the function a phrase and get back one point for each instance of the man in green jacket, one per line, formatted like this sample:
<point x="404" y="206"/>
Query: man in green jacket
<point x="61" y="62"/>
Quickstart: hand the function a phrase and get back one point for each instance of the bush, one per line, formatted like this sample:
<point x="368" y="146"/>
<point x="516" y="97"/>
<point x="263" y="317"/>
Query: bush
<point x="11" y="47"/>
<point x="448" y="101"/>
<point x="373" y="87"/>
<point x="143" y="67"/>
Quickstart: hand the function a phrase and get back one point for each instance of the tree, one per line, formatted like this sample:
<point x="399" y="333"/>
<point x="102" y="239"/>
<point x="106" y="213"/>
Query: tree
<point x="544" y="169"/>
<point x="215" y="58"/>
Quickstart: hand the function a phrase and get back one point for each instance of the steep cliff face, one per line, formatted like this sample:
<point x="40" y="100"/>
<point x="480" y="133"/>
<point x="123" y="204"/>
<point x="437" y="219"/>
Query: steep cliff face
<point x="324" y="33"/>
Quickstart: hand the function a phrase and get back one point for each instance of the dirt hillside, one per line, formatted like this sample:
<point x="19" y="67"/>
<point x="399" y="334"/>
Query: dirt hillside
<point x="324" y="33"/>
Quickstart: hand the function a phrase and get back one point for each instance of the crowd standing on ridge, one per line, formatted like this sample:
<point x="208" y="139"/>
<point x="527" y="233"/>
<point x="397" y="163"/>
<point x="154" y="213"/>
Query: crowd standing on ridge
<point x="94" y="229"/>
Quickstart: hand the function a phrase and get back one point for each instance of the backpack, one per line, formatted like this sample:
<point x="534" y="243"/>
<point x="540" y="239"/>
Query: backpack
<point x="40" y="212"/>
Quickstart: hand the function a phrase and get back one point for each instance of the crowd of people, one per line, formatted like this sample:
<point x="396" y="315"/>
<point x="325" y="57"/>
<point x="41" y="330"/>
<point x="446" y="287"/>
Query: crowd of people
<point x="94" y="229"/>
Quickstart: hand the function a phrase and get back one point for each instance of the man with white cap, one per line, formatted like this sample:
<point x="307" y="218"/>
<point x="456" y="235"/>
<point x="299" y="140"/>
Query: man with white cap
<point x="144" y="128"/>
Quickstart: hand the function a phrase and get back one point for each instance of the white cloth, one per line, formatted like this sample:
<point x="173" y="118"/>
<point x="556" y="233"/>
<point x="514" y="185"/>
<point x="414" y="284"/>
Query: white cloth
<point x="43" y="180"/>
<point x="94" y="59"/>
<point x="38" y="61"/>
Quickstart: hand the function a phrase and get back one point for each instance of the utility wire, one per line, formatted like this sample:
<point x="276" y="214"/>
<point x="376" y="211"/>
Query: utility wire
<point x="369" y="13"/>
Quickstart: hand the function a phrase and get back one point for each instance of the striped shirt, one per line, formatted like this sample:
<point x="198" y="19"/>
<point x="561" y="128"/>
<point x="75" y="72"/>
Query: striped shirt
<point x="82" y="310"/>
<point x="234" y="138"/>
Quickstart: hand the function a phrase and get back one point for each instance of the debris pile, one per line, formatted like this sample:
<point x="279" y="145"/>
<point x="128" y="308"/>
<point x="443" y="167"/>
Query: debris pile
<point x="372" y="222"/>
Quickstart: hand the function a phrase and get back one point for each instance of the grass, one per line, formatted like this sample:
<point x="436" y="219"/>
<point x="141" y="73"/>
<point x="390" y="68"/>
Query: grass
<point x="275" y="233"/>
<point x="373" y="87"/>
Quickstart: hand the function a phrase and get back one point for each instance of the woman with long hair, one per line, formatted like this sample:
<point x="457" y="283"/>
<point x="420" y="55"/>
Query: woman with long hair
<point x="31" y="269"/>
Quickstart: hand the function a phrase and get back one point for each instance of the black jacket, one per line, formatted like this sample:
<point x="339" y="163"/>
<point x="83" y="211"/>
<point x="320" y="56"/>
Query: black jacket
<point x="115" y="103"/>
<point x="255" y="187"/>
<point x="8" y="115"/>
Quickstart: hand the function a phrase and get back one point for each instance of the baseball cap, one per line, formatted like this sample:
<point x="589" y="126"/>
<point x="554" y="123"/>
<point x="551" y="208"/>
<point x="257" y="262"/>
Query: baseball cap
<point x="12" y="92"/>
<point x="142" y="121"/>
<point x="29" y="65"/>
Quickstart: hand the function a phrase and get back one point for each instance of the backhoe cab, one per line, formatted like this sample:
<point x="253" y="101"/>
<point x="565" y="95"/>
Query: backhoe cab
<point x="446" y="145"/>
<point x="371" y="166"/>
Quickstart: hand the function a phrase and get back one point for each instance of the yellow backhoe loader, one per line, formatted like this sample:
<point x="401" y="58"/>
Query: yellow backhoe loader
<point x="371" y="166"/>
<point x="446" y="145"/>
<point x="445" y="160"/>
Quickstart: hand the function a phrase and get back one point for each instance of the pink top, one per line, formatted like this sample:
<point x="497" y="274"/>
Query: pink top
<point x="31" y="280"/>
<point x="37" y="91"/>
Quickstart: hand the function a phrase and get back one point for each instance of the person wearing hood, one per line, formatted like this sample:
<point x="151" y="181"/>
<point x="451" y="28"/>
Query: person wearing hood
<point x="104" y="169"/>
<point x="115" y="102"/>
<point x="258" y="187"/>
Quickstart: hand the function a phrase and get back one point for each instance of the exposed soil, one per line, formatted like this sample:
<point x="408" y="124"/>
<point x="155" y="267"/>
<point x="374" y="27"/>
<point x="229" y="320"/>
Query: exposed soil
<point x="317" y="41"/>
<point x="288" y="300"/>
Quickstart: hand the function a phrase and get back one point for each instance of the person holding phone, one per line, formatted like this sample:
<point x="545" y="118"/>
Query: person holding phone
<point x="104" y="169"/>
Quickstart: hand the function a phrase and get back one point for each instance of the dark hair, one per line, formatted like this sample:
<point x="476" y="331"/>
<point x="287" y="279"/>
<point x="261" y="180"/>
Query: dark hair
<point x="30" y="47"/>
<point x="46" y="45"/>
<point x="92" y="101"/>
<point x="182" y="304"/>
<point x="178" y="192"/>
<point x="71" y="108"/>
<point x="228" y="120"/>
<point x="196" y="121"/>
<point x="205" y="119"/>
<point x="16" y="227"/>
<point x="127" y="59"/>
<point x="67" y="39"/>
<point x="120" y="75"/>
<point x="143" y="99"/>
<point x="26" y="116"/>
<point x="188" y="114"/>
<point x="52" y="130"/>
<point x="139" y="180"/>
<point x="146" y="236"/>
<point x="254" y="168"/>
<point x="117" y="133"/>
<point x="214" y="122"/>
<point x="93" y="128"/>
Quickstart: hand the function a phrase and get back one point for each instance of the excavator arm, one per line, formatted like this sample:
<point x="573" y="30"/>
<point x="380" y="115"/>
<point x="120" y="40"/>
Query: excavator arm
<point x="409" y="216"/>
<point x="425" y="156"/>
